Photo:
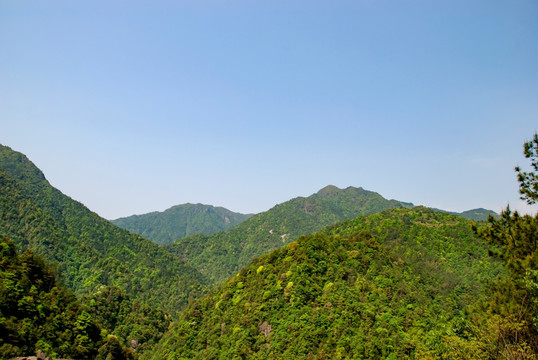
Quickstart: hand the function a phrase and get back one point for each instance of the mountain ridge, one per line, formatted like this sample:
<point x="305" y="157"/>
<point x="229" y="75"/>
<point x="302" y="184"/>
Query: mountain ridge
<point x="87" y="250"/>
<point x="219" y="255"/>
<point x="178" y="221"/>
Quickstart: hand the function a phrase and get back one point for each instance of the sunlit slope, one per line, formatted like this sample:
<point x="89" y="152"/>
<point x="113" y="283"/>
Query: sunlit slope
<point x="393" y="285"/>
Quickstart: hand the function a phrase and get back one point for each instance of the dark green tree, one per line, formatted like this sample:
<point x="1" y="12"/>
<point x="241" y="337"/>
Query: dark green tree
<point x="112" y="350"/>
<point x="528" y="181"/>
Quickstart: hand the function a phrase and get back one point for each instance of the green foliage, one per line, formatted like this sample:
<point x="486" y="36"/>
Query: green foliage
<point x="393" y="285"/>
<point x="88" y="251"/>
<point x="528" y="181"/>
<point x="222" y="254"/>
<point x="127" y="319"/>
<point x="113" y="350"/>
<point x="514" y="301"/>
<point x="180" y="221"/>
<point x="38" y="313"/>
<point x="507" y="319"/>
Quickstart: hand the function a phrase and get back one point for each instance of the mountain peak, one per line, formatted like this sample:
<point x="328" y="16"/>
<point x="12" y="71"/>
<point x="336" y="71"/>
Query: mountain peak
<point x="329" y="190"/>
<point x="180" y="221"/>
<point x="19" y="167"/>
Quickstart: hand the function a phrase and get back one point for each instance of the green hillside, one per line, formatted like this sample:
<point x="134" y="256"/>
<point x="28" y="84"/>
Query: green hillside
<point x="394" y="285"/>
<point x="35" y="311"/>
<point x="127" y="319"/>
<point x="88" y="251"/>
<point x="222" y="254"/>
<point x="180" y="221"/>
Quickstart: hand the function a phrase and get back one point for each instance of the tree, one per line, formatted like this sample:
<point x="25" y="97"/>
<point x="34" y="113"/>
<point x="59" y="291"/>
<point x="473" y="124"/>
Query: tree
<point x="515" y="299"/>
<point x="528" y="181"/>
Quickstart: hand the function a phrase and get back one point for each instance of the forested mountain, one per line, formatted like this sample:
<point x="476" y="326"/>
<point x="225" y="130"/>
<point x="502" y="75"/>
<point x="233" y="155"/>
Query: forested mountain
<point x="220" y="255"/>
<point x="402" y="282"/>
<point x="393" y="285"/>
<point x="87" y="250"/>
<point x="180" y="221"/>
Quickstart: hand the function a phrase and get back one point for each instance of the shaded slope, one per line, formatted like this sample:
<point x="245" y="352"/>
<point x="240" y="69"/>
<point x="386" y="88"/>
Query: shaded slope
<point x="180" y="221"/>
<point x="221" y="254"/>
<point x="38" y="313"/>
<point x="88" y="251"/>
<point x="393" y="285"/>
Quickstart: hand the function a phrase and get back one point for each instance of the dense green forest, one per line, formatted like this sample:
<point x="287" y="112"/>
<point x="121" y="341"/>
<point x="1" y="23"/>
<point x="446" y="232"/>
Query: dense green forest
<point x="88" y="251"/>
<point x="393" y="285"/>
<point x="180" y="221"/>
<point x="38" y="313"/>
<point x="127" y="319"/>
<point x="222" y="254"/>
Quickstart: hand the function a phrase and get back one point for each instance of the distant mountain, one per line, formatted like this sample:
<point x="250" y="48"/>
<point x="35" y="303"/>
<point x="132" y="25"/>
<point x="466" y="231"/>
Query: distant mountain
<point x="180" y="221"/>
<point x="220" y="255"/>
<point x="393" y="285"/>
<point x="87" y="250"/>
<point x="479" y="214"/>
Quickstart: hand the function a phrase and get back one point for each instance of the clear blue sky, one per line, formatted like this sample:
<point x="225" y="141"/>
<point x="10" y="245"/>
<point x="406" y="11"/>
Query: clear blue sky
<point x="135" y="106"/>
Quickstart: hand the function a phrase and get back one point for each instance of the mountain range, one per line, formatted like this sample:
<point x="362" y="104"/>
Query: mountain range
<point x="218" y="256"/>
<point x="222" y="254"/>
<point x="185" y="220"/>
<point x="345" y="273"/>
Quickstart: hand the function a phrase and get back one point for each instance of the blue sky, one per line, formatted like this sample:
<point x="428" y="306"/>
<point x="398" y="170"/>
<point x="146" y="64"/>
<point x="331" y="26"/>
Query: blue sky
<point x="135" y="106"/>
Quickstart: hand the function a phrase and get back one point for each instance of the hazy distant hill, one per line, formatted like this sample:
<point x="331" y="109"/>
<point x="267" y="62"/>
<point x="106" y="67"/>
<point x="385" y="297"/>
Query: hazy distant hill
<point x="479" y="214"/>
<point x="88" y="250"/>
<point x="180" y="221"/>
<point x="222" y="254"/>
<point x="393" y="285"/>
